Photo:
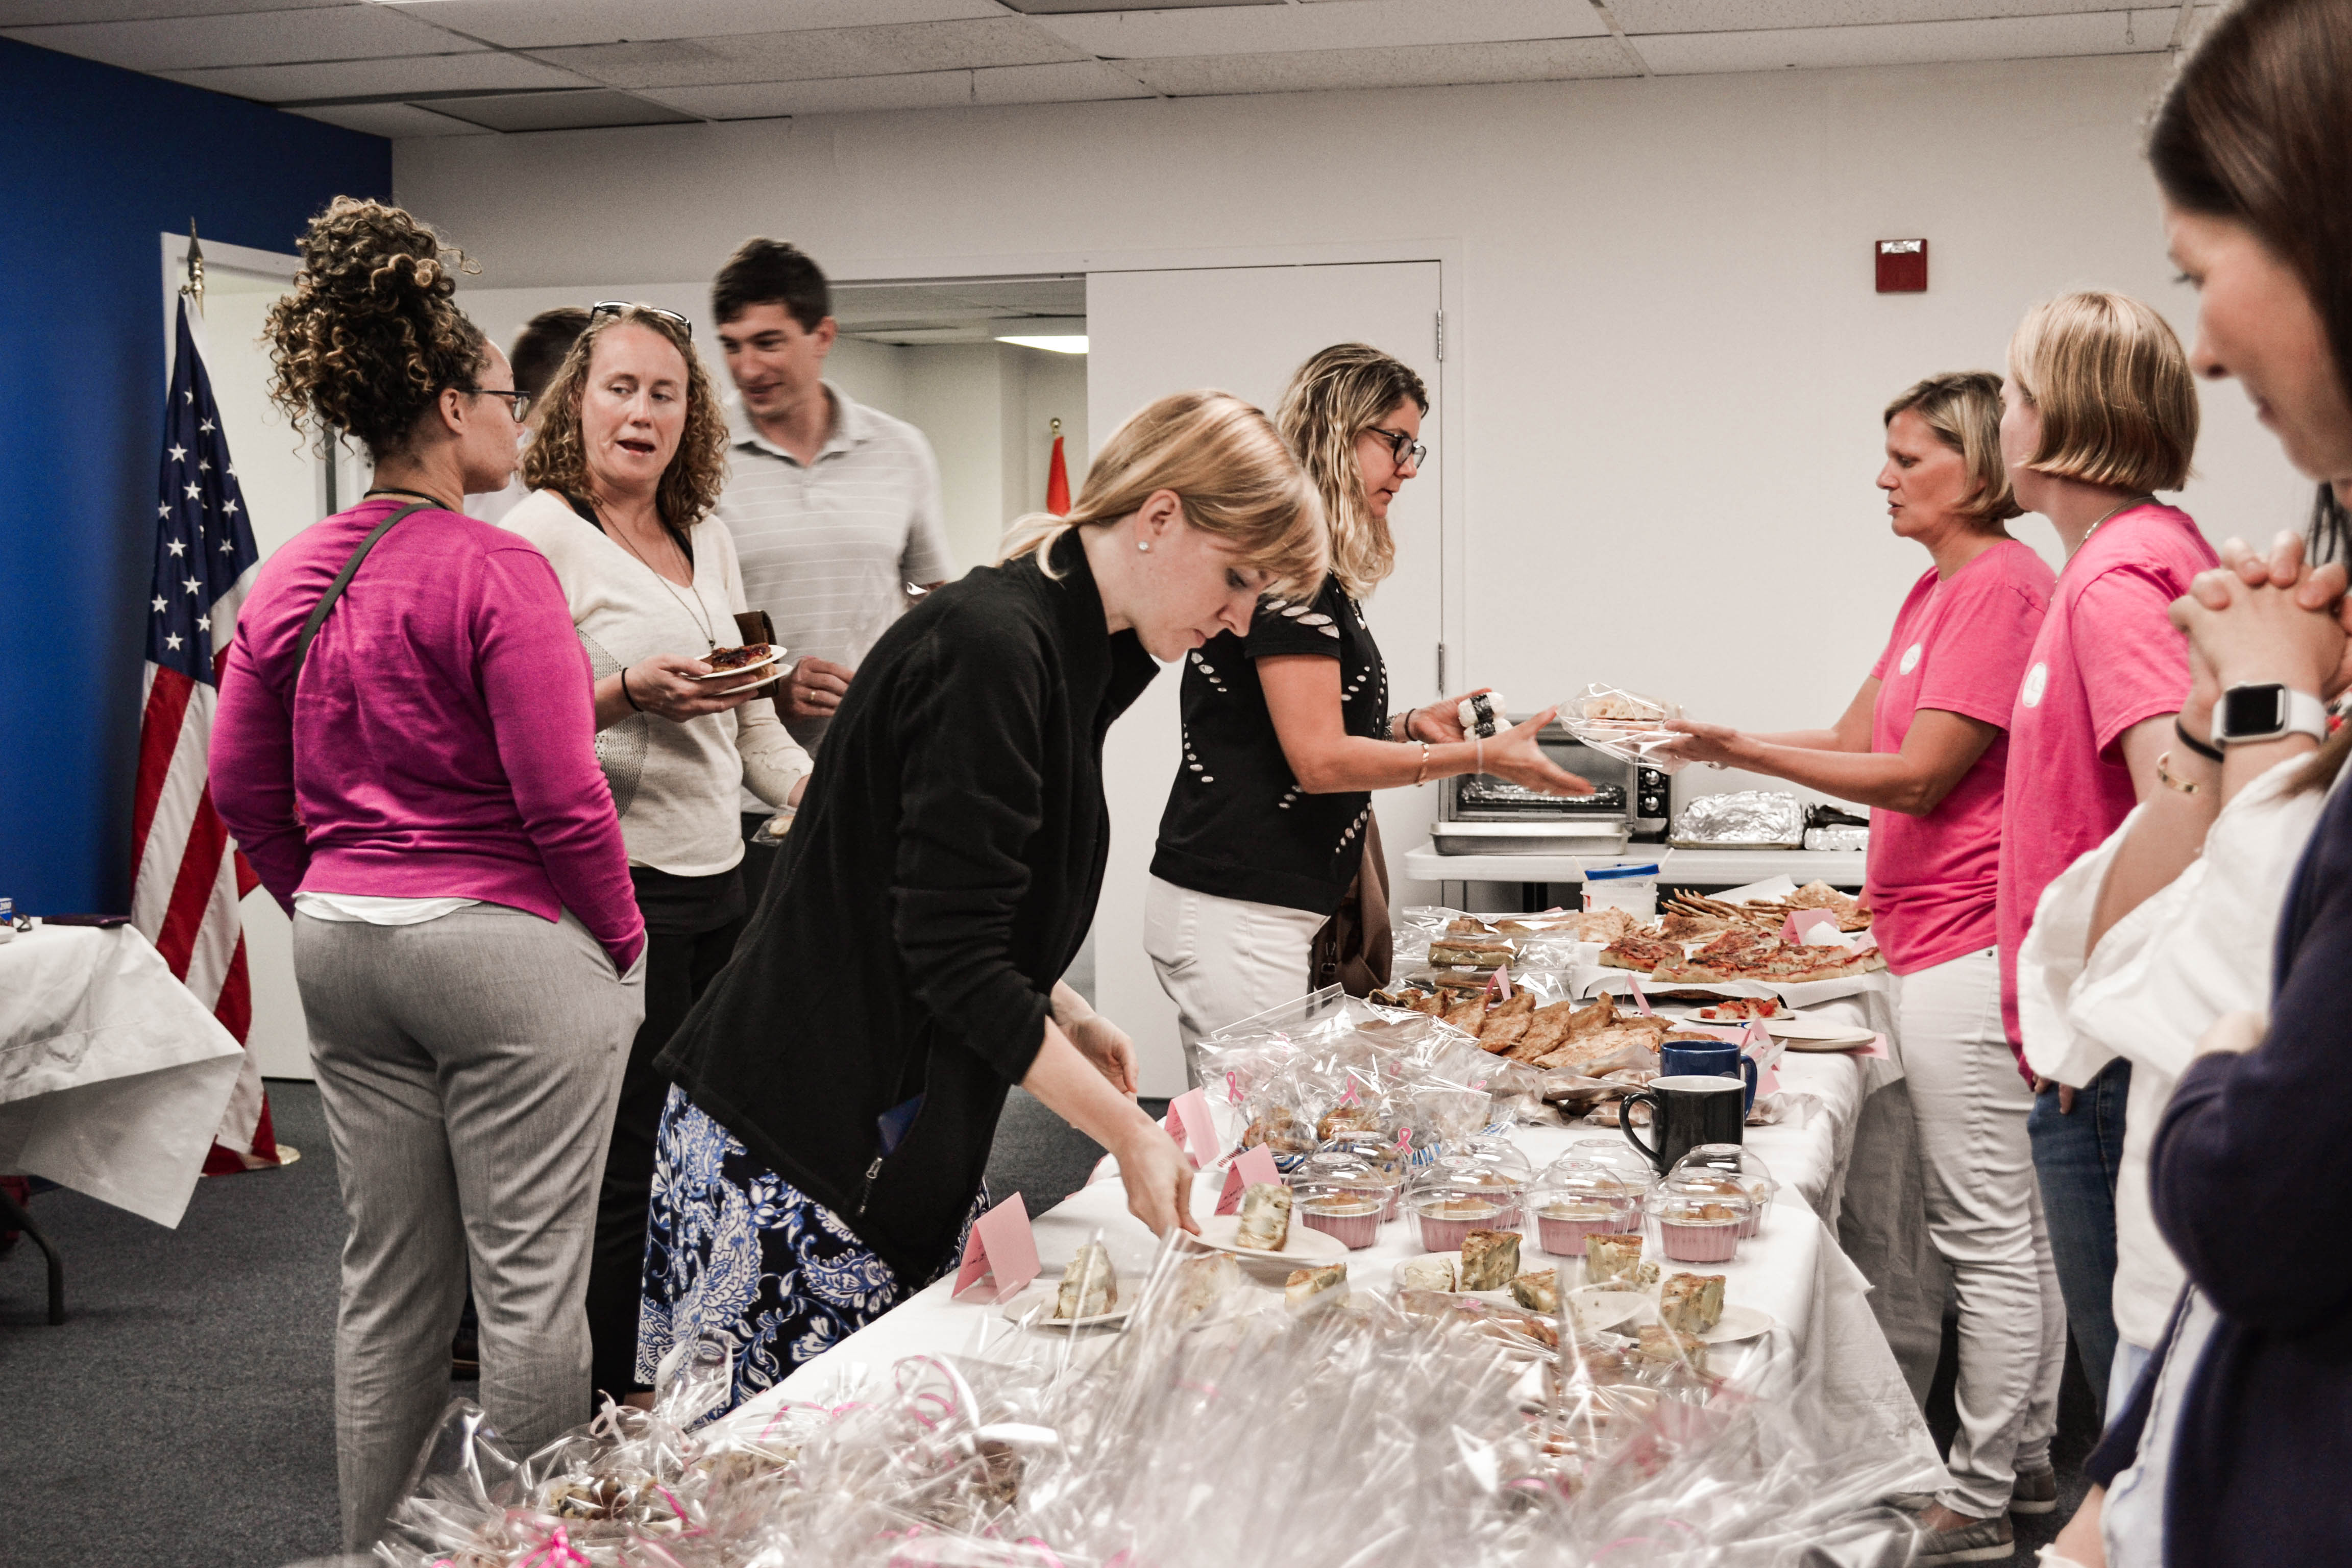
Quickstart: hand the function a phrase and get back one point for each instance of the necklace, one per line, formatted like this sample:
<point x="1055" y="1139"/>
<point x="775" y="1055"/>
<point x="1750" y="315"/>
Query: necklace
<point x="701" y="622"/>
<point x="413" y="495"/>
<point x="2143" y="499"/>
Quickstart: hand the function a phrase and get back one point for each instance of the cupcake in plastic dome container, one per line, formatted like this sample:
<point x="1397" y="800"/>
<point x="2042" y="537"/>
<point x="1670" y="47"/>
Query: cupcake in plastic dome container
<point x="1733" y="1163"/>
<point x="1342" y="1168"/>
<point x="1575" y="1198"/>
<point x="1701" y="1216"/>
<point x="1615" y="1154"/>
<point x="1348" y="1213"/>
<point x="1456" y="1194"/>
<point x="1391" y="1156"/>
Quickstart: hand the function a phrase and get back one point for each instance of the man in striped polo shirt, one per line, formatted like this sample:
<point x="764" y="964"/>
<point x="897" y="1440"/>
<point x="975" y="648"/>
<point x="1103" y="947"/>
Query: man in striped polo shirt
<point x="835" y="506"/>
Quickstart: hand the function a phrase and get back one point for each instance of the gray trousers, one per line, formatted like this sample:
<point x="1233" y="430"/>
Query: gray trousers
<point x="469" y="1068"/>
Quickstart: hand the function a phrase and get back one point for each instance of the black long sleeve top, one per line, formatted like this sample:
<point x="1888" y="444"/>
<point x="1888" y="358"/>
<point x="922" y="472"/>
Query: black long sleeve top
<point x="2252" y="1178"/>
<point x="937" y="881"/>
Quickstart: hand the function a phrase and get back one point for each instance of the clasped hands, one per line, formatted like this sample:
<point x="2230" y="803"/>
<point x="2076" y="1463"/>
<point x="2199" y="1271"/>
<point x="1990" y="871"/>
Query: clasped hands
<point x="2264" y="617"/>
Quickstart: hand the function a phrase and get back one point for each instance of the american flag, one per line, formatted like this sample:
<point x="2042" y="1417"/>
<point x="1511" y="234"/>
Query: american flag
<point x="186" y="874"/>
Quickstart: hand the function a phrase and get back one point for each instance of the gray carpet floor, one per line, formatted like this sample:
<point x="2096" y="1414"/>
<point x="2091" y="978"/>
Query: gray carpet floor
<point x="183" y="1415"/>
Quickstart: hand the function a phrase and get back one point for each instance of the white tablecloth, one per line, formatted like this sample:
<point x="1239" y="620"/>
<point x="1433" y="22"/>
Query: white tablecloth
<point x="113" y="1074"/>
<point x="1793" y="1269"/>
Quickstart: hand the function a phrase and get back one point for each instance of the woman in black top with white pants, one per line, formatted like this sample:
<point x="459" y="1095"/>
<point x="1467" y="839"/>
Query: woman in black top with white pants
<point x="1286" y="730"/>
<point x="838" y="1085"/>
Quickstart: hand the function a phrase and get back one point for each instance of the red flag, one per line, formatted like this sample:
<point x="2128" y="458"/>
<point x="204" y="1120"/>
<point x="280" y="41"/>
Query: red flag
<point x="1057" y="483"/>
<point x="187" y="874"/>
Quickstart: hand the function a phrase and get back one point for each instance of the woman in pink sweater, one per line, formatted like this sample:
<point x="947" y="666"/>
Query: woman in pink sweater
<point x="410" y="765"/>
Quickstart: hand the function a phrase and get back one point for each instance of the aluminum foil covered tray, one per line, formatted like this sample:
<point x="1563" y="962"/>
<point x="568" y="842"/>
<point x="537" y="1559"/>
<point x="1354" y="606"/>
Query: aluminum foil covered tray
<point x="1744" y="819"/>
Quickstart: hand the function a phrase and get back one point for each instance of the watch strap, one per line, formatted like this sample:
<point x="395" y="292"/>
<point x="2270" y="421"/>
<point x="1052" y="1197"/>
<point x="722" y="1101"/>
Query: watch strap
<point x="2306" y="714"/>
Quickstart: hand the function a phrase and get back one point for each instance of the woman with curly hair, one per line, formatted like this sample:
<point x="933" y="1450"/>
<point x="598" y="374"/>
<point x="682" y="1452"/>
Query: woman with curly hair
<point x="1287" y="730"/>
<point x="405" y="751"/>
<point x="629" y="458"/>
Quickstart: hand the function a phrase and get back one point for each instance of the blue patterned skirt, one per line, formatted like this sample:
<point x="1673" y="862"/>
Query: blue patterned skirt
<point x="731" y="1245"/>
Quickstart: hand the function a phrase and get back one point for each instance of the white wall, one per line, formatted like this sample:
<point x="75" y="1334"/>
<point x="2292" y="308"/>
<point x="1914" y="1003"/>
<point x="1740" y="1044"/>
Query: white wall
<point x="1670" y="357"/>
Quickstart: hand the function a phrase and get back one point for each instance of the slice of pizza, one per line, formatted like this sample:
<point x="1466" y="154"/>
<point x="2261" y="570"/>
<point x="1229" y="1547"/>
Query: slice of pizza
<point x="1638" y="952"/>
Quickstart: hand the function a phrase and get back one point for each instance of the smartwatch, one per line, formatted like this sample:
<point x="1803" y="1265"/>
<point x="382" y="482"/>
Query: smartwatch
<point x="2267" y="710"/>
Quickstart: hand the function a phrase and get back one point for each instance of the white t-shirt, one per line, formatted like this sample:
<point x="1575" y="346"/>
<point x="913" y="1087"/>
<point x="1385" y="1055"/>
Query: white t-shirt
<point x="2199" y="947"/>
<point x="674" y="784"/>
<point x="828" y="549"/>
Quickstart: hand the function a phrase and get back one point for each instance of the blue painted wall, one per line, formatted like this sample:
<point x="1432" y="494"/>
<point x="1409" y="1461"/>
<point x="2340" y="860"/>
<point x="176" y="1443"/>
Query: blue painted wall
<point x="94" y="163"/>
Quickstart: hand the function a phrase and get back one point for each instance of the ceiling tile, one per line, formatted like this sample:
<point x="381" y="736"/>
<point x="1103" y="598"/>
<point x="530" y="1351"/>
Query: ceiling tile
<point x="29" y="12"/>
<point x="1067" y="8"/>
<point x="1361" y="24"/>
<point x="817" y="55"/>
<point x="252" y="38"/>
<point x="1078" y="81"/>
<point x="1340" y="69"/>
<point x="855" y="95"/>
<point x="1910" y="43"/>
<point x="532" y="24"/>
<point x="593" y="107"/>
<point x="1643" y="16"/>
<point x="397" y="121"/>
<point x="371" y="79"/>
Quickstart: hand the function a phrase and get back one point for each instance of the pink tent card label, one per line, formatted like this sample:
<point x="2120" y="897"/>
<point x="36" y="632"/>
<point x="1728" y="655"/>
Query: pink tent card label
<point x="1793" y="929"/>
<point x="1188" y="1123"/>
<point x="1000" y="1257"/>
<point x="1251" y="1168"/>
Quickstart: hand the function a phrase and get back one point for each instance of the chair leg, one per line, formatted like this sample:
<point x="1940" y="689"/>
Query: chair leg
<point x="13" y="1217"/>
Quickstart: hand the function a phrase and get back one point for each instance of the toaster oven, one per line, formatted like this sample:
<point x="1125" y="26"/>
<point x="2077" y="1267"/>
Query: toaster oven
<point x="1482" y="815"/>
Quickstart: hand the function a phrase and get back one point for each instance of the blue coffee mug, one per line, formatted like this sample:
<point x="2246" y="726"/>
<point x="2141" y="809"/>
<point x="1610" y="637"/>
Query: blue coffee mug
<point x="1708" y="1058"/>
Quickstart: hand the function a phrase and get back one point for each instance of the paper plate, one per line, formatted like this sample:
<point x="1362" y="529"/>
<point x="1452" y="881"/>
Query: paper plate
<point x="1818" y="1034"/>
<point x="1396" y="1278"/>
<point x="774" y="653"/>
<point x="1597" y="1308"/>
<point x="1303" y="1245"/>
<point x="1038" y="1299"/>
<point x="1739" y="1322"/>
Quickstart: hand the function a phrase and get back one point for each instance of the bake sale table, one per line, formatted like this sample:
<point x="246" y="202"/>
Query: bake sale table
<point x="1793" y="1269"/>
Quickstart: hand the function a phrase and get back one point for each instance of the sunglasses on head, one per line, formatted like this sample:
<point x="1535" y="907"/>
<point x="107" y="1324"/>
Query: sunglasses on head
<point x="623" y="307"/>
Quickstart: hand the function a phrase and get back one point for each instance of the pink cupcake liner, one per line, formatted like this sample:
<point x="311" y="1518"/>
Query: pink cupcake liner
<point x="1355" y="1230"/>
<point x="1712" y="1243"/>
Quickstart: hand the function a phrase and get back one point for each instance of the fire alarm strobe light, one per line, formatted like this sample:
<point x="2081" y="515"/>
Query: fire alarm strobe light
<point x="1901" y="266"/>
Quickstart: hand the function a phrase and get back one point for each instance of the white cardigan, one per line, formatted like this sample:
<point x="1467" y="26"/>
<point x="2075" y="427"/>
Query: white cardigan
<point x="674" y="784"/>
<point x="2201" y="947"/>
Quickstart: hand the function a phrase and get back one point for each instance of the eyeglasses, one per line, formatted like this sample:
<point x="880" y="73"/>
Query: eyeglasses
<point x="623" y="307"/>
<point x="522" y="403"/>
<point x="1406" y="452"/>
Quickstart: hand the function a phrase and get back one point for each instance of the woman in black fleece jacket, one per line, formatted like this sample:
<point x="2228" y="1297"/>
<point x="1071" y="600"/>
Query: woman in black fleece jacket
<point x="2236" y="1446"/>
<point x="838" y="1085"/>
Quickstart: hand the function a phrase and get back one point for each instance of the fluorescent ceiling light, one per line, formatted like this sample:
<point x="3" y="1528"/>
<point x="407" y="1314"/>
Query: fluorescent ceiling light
<point x="1058" y="345"/>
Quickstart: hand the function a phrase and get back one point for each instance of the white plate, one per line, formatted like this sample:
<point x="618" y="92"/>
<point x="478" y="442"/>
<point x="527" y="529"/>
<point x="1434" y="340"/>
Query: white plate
<point x="1304" y="1244"/>
<point x="1739" y="1322"/>
<point x="1817" y="1031"/>
<point x="1038" y="1299"/>
<point x="774" y="653"/>
<point x="1598" y="1308"/>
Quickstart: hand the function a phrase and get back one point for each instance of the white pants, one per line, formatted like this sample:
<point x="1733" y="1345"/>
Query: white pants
<point x="1984" y="1214"/>
<point x="1221" y="960"/>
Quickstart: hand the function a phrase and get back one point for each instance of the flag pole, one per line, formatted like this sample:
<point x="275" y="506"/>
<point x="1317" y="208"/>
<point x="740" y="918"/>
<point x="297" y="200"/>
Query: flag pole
<point x="194" y="287"/>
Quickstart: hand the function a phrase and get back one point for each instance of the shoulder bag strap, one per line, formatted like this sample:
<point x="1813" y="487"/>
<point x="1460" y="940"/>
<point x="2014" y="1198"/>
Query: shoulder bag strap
<point x="343" y="581"/>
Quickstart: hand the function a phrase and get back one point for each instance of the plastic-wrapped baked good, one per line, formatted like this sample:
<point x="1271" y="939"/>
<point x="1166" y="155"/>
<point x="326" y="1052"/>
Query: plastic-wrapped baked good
<point x="1265" y="1218"/>
<point x="1089" y="1285"/>
<point x="1691" y="1303"/>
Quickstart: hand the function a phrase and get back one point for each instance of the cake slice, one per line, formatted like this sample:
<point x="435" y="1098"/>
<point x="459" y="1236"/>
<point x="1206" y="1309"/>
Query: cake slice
<point x="1089" y="1286"/>
<point x="1538" y="1290"/>
<point x="1265" y="1218"/>
<point x="1315" y="1286"/>
<point x="1664" y="1346"/>
<point x="1691" y="1302"/>
<point x="1489" y="1259"/>
<point x="1610" y="1257"/>
<point x="1434" y="1272"/>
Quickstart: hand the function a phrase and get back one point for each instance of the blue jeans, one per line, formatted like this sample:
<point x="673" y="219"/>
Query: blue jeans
<point x="2077" y="1157"/>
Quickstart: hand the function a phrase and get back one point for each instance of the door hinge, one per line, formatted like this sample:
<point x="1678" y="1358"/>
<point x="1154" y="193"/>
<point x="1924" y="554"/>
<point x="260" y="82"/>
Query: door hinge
<point x="1441" y="337"/>
<point x="1441" y="669"/>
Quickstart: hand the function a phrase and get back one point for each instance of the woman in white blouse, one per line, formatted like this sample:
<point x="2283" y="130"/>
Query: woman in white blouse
<point x="626" y="465"/>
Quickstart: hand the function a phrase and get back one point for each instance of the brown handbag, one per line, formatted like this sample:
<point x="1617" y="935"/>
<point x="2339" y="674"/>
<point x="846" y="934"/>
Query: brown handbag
<point x="1355" y="949"/>
<point x="753" y="626"/>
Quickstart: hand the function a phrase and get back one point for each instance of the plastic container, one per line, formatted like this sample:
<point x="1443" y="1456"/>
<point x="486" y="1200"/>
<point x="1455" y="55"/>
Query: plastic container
<point x="1628" y="884"/>
<point x="1350" y="1215"/>
<point x="1354" y="1170"/>
<point x="1615" y="1155"/>
<point x="1461" y="1192"/>
<point x="1699" y="1221"/>
<point x="1735" y="1164"/>
<point x="1576" y="1198"/>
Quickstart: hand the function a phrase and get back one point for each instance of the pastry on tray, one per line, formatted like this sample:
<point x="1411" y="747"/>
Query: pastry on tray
<point x="1490" y="1259"/>
<point x="1089" y="1286"/>
<point x="1691" y="1303"/>
<point x="1470" y="951"/>
<point x="1265" y="1218"/>
<point x="1640" y="952"/>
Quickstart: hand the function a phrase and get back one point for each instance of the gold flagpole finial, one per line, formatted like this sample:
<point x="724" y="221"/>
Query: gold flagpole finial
<point x="194" y="287"/>
<point x="1058" y="427"/>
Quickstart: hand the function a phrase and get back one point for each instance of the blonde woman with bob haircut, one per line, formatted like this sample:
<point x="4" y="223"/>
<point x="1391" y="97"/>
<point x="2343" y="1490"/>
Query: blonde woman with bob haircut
<point x="821" y="1156"/>
<point x="1925" y="744"/>
<point x="2099" y="413"/>
<point x="1287" y="729"/>
<point x="626" y="466"/>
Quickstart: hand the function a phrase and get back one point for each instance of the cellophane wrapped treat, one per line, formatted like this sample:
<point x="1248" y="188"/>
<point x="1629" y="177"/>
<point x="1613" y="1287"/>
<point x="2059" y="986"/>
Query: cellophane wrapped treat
<point x="1623" y="724"/>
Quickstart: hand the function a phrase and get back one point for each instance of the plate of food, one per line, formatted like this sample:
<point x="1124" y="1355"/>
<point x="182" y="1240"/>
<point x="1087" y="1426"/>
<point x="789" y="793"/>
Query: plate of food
<point x="1086" y="1295"/>
<point x="1694" y="1304"/>
<point x="727" y="662"/>
<point x="1249" y="1235"/>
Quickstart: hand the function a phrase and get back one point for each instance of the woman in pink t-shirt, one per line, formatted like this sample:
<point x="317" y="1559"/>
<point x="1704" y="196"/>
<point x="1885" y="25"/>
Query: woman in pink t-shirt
<point x="1924" y="744"/>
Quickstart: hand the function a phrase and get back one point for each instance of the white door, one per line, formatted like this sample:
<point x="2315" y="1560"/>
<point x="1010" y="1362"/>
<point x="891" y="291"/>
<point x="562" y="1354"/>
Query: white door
<point x="1244" y="330"/>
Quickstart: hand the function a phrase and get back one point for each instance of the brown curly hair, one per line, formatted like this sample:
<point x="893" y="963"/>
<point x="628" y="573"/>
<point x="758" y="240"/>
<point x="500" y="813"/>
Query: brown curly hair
<point x="371" y="334"/>
<point x="557" y="457"/>
<point x="1336" y="396"/>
